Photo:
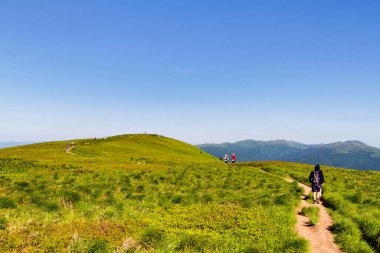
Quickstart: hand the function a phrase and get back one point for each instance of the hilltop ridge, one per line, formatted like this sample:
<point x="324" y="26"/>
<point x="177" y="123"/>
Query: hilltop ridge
<point x="115" y="151"/>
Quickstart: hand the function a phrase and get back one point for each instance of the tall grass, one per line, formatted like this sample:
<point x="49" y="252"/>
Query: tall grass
<point x="184" y="208"/>
<point x="154" y="196"/>
<point x="353" y="197"/>
<point x="312" y="213"/>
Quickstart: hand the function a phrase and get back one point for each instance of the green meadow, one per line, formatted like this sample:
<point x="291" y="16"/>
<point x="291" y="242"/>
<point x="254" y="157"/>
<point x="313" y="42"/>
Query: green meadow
<point x="353" y="199"/>
<point x="149" y="193"/>
<point x="140" y="193"/>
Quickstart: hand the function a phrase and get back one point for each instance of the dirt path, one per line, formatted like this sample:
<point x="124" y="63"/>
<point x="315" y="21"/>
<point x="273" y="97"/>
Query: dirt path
<point x="68" y="150"/>
<point x="319" y="236"/>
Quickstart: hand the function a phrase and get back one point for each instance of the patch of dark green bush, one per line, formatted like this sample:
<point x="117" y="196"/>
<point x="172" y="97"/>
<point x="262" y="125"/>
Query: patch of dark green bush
<point x="119" y="206"/>
<point x="96" y="194"/>
<point x="356" y="198"/>
<point x="207" y="198"/>
<point x="21" y="186"/>
<point x="152" y="236"/>
<point x="137" y="176"/>
<point x="50" y="206"/>
<point x="42" y="186"/>
<point x="7" y="203"/>
<point x="296" y="190"/>
<point x="36" y="199"/>
<point x="98" y="245"/>
<point x="192" y="242"/>
<point x="246" y="202"/>
<point x="250" y="249"/>
<point x="135" y="196"/>
<point x="295" y="245"/>
<point x="84" y="188"/>
<point x="140" y="188"/>
<point x="3" y="223"/>
<point x="71" y="196"/>
<point x="176" y="199"/>
<point x="110" y="200"/>
<point x="281" y="200"/>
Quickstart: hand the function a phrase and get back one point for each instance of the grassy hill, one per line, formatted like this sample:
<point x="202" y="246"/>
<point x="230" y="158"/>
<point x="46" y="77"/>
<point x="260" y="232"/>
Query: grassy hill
<point x="140" y="193"/>
<point x="147" y="193"/>
<point x="117" y="152"/>
<point x="353" y="197"/>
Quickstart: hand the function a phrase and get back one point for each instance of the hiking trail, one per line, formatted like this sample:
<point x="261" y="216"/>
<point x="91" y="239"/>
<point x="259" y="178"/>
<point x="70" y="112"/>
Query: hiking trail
<point x="320" y="238"/>
<point x="69" y="147"/>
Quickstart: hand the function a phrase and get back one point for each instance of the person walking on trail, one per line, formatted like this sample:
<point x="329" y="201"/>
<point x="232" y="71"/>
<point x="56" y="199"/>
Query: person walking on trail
<point x="233" y="158"/>
<point x="316" y="179"/>
<point x="225" y="159"/>
<point x="67" y="147"/>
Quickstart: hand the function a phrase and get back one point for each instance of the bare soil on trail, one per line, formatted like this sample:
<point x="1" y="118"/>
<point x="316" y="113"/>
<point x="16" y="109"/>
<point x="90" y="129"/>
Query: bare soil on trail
<point x="319" y="236"/>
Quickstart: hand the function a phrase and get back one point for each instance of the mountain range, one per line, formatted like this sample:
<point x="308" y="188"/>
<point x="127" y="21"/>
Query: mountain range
<point x="13" y="143"/>
<point x="349" y="154"/>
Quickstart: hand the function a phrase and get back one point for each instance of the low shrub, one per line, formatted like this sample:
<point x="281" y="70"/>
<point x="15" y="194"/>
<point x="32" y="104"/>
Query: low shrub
<point x="176" y="199"/>
<point x="281" y="200"/>
<point x="22" y="185"/>
<point x="295" y="245"/>
<point x="246" y="202"/>
<point x="192" y="242"/>
<point x="98" y="245"/>
<point x="250" y="249"/>
<point x="50" y="206"/>
<point x="3" y="223"/>
<point x="207" y="198"/>
<point x="71" y="196"/>
<point x="151" y="237"/>
<point x="7" y="203"/>
<point x="140" y="188"/>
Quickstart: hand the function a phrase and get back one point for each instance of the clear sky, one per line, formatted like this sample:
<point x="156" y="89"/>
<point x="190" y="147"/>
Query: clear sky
<point x="198" y="71"/>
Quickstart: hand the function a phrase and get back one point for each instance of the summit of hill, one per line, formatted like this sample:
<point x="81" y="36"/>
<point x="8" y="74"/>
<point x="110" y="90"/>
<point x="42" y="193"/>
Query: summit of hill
<point x="111" y="152"/>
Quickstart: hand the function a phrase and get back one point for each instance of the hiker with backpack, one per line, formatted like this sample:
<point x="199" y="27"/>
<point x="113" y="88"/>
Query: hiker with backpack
<point x="225" y="159"/>
<point x="233" y="158"/>
<point x="316" y="179"/>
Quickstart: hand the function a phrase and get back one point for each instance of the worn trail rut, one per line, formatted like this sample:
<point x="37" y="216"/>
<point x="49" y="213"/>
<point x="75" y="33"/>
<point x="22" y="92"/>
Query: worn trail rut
<point x="319" y="236"/>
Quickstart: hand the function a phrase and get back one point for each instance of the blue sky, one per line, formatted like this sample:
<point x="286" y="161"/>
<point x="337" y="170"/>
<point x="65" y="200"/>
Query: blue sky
<point x="198" y="71"/>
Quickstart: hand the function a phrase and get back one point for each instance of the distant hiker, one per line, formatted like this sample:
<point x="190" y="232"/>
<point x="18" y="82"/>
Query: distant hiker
<point x="233" y="158"/>
<point x="67" y="147"/>
<point x="225" y="159"/>
<point x="316" y="179"/>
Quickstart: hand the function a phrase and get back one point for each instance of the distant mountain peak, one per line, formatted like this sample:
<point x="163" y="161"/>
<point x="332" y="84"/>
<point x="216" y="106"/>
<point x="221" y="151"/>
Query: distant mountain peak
<point x="349" y="154"/>
<point x="355" y="142"/>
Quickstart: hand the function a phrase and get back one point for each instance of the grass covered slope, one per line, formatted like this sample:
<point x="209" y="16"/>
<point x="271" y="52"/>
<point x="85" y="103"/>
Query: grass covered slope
<point x="121" y="151"/>
<point x="107" y="196"/>
<point x="353" y="197"/>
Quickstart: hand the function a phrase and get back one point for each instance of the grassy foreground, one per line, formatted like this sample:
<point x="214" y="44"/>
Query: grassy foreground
<point x="353" y="198"/>
<point x="140" y="193"/>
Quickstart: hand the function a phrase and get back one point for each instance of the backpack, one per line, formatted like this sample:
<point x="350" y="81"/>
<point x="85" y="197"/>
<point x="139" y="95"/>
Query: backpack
<point x="316" y="178"/>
